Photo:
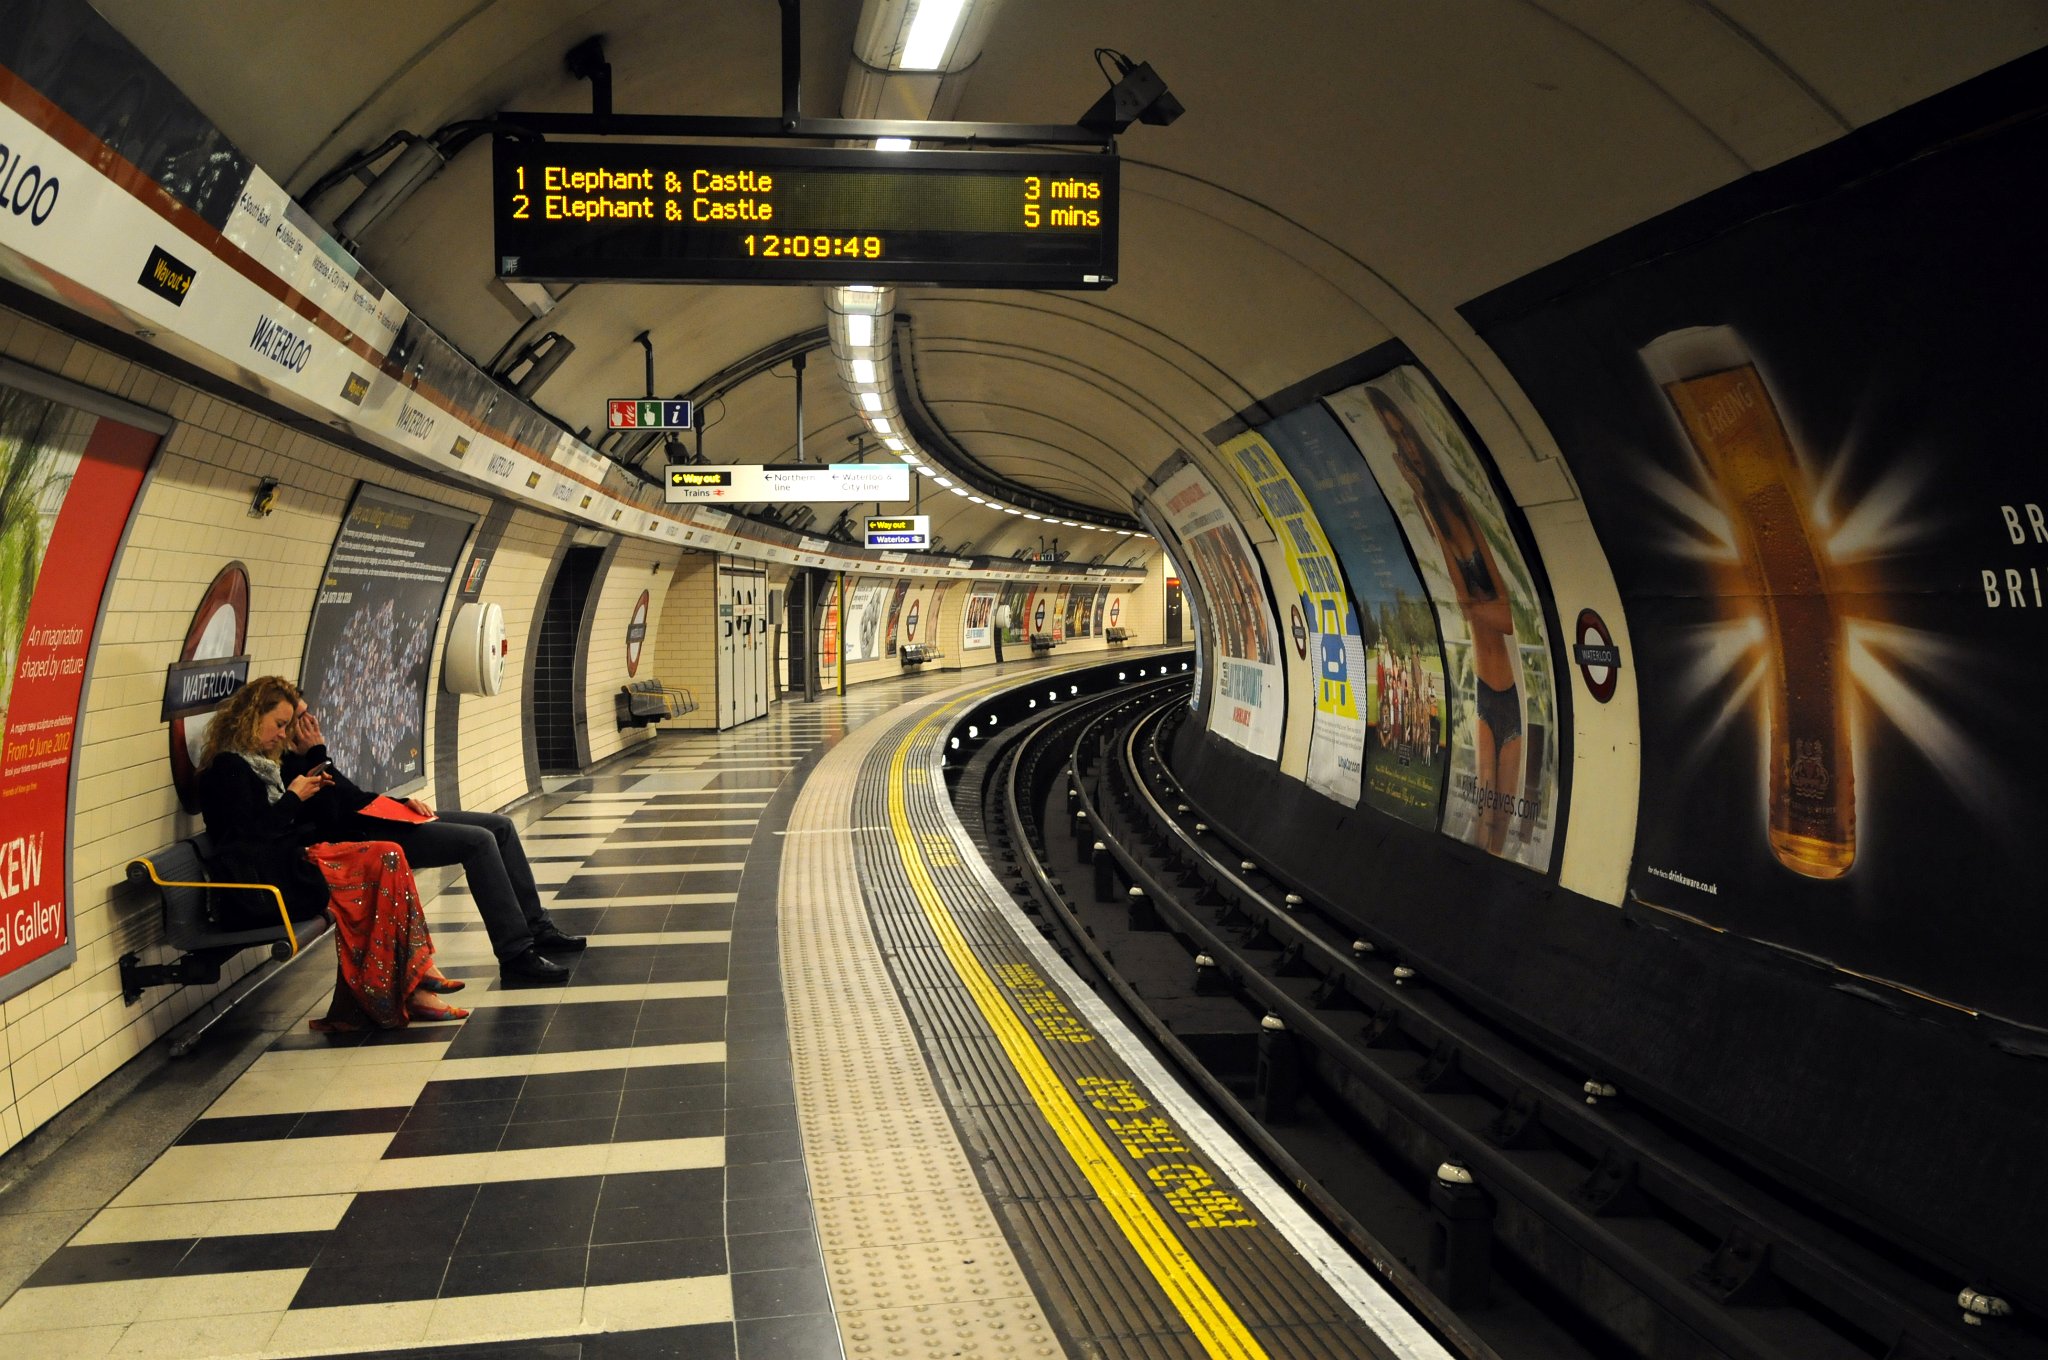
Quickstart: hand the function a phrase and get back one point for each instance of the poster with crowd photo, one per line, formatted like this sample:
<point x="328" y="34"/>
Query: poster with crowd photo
<point x="889" y="631"/>
<point x="866" y="600"/>
<point x="68" y="481"/>
<point x="1321" y="619"/>
<point x="1808" y="436"/>
<point x="1502" y="794"/>
<point x="1407" y="748"/>
<point x="977" y="626"/>
<point x="1249" y="702"/>
<point x="370" y="644"/>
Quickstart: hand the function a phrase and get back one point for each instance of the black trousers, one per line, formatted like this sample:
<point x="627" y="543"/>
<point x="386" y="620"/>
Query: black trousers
<point x="487" y="847"/>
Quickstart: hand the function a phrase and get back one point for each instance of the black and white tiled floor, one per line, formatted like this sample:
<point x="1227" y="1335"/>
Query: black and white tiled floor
<point x="613" y="1165"/>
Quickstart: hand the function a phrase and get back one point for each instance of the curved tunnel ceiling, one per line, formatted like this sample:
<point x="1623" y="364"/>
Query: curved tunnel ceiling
<point x="1344" y="174"/>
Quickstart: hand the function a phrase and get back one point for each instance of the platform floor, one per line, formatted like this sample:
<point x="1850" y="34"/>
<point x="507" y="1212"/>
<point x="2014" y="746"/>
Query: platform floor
<point x="815" y="1090"/>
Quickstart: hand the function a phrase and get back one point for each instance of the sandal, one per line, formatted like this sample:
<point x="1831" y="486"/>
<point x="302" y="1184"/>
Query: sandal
<point x="419" y="1010"/>
<point x="441" y="986"/>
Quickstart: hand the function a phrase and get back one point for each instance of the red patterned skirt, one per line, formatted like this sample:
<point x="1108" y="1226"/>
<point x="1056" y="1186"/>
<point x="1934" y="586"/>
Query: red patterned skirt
<point x="381" y="943"/>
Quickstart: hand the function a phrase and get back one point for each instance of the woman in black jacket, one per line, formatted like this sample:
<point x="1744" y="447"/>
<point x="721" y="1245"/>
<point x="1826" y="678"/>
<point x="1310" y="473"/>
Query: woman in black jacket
<point x="260" y="824"/>
<point x="269" y="830"/>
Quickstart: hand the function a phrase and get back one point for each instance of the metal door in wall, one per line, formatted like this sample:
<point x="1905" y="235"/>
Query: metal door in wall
<point x="750" y="616"/>
<point x="1173" y="627"/>
<point x="778" y="653"/>
<point x="728" y="680"/>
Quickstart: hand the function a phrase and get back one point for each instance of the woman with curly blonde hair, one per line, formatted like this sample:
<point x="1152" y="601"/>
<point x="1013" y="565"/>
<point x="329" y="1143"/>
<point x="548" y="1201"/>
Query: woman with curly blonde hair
<point x="267" y="830"/>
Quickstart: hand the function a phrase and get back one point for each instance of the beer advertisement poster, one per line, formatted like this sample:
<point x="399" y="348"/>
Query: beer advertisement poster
<point x="1824" y="502"/>
<point x="1407" y="748"/>
<point x="1502" y="794"/>
<point x="1249" y="687"/>
<point x="1322" y="618"/>
<point x="68" y="481"/>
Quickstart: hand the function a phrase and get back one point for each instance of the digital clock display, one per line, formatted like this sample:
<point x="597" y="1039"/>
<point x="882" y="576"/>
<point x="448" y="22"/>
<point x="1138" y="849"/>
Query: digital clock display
<point x="617" y="211"/>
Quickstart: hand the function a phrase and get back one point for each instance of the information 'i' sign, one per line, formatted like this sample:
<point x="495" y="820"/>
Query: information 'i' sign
<point x="598" y="211"/>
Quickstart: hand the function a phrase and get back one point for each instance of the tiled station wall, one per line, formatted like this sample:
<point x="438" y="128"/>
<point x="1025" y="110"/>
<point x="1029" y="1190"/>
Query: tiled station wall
<point x="66" y="1033"/>
<point x="635" y="565"/>
<point x="685" y="656"/>
<point x="492" y="770"/>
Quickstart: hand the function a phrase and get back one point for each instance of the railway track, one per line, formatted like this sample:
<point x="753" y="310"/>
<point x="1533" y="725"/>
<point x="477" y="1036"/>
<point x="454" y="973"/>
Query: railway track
<point x="1521" y="1206"/>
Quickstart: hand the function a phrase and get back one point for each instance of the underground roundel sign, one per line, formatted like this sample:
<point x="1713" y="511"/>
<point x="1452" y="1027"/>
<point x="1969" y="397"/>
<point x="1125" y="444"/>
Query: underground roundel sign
<point x="1599" y="660"/>
<point x="636" y="635"/>
<point x="1299" y="629"/>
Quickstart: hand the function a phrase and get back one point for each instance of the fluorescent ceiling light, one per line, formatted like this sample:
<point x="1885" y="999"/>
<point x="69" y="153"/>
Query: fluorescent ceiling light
<point x="896" y="444"/>
<point x="943" y="481"/>
<point x="863" y="370"/>
<point x="860" y="330"/>
<point x="977" y="500"/>
<point x="1012" y="510"/>
<point x="871" y="401"/>
<point x="882" y="426"/>
<point x="932" y="26"/>
<point x="925" y="470"/>
<point x="892" y="144"/>
<point x="956" y="490"/>
<point x="1029" y="515"/>
<point x="909" y="458"/>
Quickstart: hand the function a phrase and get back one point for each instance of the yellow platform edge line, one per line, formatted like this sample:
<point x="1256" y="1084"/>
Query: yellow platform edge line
<point x="1211" y="1319"/>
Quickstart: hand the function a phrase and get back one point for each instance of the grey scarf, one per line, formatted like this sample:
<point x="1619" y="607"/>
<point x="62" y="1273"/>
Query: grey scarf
<point x="268" y="771"/>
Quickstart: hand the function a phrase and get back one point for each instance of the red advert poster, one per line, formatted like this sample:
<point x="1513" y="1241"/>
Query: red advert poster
<point x="68" y="480"/>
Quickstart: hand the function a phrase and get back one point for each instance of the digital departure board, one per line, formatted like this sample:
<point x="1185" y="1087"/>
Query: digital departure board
<point x="618" y="211"/>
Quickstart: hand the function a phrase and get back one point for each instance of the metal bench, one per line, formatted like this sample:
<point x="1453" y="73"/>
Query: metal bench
<point x="917" y="653"/>
<point x="186" y="887"/>
<point x="1117" y="635"/>
<point x="641" y="703"/>
<point x="1043" y="642"/>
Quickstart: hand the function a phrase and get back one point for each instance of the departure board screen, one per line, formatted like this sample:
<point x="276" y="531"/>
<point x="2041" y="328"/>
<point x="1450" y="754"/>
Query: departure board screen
<point x="616" y="211"/>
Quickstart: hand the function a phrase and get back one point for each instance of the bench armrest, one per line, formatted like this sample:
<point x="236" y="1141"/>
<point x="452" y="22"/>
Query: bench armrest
<point x="271" y="888"/>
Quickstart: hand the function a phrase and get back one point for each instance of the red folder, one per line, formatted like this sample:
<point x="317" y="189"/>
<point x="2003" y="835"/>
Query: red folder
<point x="391" y="810"/>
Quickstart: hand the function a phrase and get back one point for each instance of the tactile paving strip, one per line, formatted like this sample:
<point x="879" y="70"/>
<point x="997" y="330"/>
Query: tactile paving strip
<point x="1225" y="1283"/>
<point x="916" y="1259"/>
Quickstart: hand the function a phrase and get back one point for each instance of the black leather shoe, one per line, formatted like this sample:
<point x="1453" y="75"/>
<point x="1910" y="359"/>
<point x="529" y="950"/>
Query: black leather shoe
<point x="530" y="965"/>
<point x="551" y="938"/>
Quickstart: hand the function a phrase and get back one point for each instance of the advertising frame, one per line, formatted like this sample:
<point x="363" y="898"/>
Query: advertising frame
<point x="50" y="387"/>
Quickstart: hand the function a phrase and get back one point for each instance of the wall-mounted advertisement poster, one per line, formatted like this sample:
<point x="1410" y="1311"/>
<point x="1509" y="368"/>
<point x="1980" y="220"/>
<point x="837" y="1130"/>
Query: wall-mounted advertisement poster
<point x="1017" y="596"/>
<point x="371" y="640"/>
<point x="1407" y="749"/>
<point x="68" y="481"/>
<point x="829" y="669"/>
<point x="1503" y="780"/>
<point x="890" y="630"/>
<point x="1321" y="621"/>
<point x="976" y="626"/>
<point x="1826" y="509"/>
<point x="865" y="603"/>
<point x="1247" y="691"/>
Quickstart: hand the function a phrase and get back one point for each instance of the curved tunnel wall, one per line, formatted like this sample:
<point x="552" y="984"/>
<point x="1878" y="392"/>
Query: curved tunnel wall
<point x="1797" y="412"/>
